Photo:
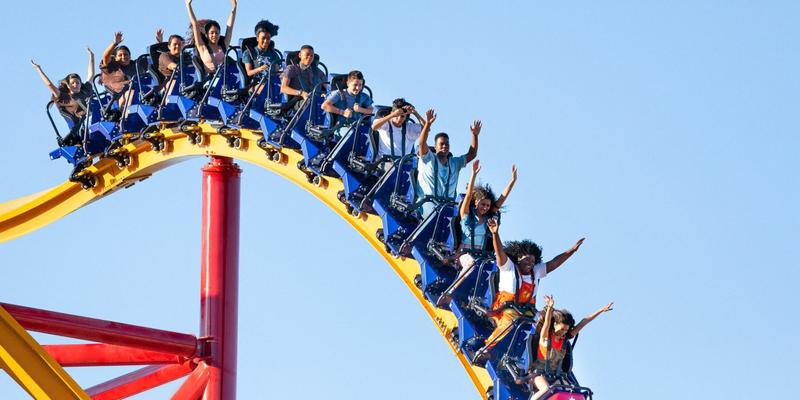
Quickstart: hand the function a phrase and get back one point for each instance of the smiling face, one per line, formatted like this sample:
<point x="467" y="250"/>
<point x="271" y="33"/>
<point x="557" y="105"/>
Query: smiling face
<point x="74" y="84"/>
<point x="442" y="145"/>
<point x="526" y="263"/>
<point x="354" y="86"/>
<point x="122" y="56"/>
<point x="213" y="34"/>
<point x="560" y="329"/>
<point x="482" y="206"/>
<point x="306" y="57"/>
<point x="263" y="39"/>
<point x="175" y="46"/>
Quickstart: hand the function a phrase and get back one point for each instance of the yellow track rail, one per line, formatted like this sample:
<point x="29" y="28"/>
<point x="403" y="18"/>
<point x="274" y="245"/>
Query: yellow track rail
<point x="33" y="369"/>
<point x="22" y="216"/>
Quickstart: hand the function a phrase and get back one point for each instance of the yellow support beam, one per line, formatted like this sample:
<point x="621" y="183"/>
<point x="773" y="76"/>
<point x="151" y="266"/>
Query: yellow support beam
<point x="23" y="216"/>
<point x="33" y="369"/>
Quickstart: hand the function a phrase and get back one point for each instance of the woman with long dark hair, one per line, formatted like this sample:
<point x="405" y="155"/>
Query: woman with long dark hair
<point x="206" y="39"/>
<point x="71" y="97"/>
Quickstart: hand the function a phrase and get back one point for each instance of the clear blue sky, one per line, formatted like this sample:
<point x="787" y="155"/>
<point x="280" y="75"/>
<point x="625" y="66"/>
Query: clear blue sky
<point x="664" y="132"/>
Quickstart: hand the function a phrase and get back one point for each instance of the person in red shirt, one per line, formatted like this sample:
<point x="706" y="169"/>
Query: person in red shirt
<point x="555" y="329"/>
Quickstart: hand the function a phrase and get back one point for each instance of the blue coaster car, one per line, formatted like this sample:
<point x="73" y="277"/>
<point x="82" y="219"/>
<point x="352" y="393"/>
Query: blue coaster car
<point x="141" y="110"/>
<point x="392" y="199"/>
<point x="354" y="160"/>
<point x="190" y="88"/>
<point x="263" y="96"/>
<point x="427" y="243"/>
<point x="467" y="303"/>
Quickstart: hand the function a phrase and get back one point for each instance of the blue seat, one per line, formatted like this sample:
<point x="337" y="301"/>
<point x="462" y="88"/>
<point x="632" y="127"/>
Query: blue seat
<point x="267" y="101"/>
<point x="392" y="201"/>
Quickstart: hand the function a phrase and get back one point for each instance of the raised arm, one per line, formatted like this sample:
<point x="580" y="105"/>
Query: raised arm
<point x="559" y="259"/>
<point x="475" y="128"/>
<point x="464" y="209"/>
<point x="90" y="68"/>
<point x="47" y="82"/>
<point x="378" y="123"/>
<point x="589" y="318"/>
<point x="544" y="335"/>
<point x="504" y="196"/>
<point x="422" y="144"/>
<point x="198" y="41"/>
<point x="109" y="51"/>
<point x="500" y="254"/>
<point x="229" y="27"/>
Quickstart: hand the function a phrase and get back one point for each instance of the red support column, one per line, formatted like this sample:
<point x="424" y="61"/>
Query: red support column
<point x="219" y="277"/>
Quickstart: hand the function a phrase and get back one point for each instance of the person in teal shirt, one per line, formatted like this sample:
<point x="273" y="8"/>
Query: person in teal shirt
<point x="438" y="170"/>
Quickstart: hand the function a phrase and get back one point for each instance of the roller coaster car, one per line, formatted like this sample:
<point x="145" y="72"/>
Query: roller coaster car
<point x="354" y="160"/>
<point x="392" y="201"/>
<point x="141" y="110"/>
<point x="265" y="88"/>
<point x="424" y="243"/>
<point x="230" y="91"/>
<point x="191" y="84"/>
<point x="473" y="325"/>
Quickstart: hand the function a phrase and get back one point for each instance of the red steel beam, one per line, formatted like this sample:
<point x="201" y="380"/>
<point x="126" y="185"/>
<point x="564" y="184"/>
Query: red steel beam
<point x="219" y="276"/>
<point x="98" y="330"/>
<point x="98" y="355"/>
<point x="194" y="385"/>
<point x="138" y="381"/>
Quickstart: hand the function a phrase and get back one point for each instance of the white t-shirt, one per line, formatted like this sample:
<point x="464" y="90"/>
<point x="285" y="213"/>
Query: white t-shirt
<point x="385" y="140"/>
<point x="508" y="279"/>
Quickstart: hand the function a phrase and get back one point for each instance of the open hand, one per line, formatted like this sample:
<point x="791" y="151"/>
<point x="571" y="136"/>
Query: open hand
<point x="118" y="38"/>
<point x="159" y="35"/>
<point x="577" y="245"/>
<point x="476" y="127"/>
<point x="430" y="116"/>
<point x="476" y="167"/>
<point x="608" y="307"/>
<point x="493" y="225"/>
<point x="548" y="300"/>
<point x="35" y="65"/>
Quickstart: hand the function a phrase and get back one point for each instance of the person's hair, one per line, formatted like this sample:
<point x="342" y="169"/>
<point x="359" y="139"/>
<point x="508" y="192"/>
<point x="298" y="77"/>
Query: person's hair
<point x="399" y="103"/>
<point x="484" y="192"/>
<point x="515" y="249"/>
<point x="440" y="135"/>
<point x="558" y="317"/>
<point x="355" y="74"/>
<point x="307" y="47"/>
<point x="204" y="25"/>
<point x="179" y="37"/>
<point x="266" y="26"/>
<point x="123" y="47"/>
<point x="63" y="86"/>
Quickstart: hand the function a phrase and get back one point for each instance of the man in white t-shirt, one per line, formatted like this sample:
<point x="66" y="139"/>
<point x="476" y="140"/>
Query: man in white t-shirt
<point x="521" y="267"/>
<point x="396" y="134"/>
<point x="438" y="170"/>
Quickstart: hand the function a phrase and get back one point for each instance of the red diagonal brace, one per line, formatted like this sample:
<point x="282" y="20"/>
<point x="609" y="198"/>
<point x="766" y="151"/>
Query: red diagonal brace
<point x="138" y="381"/>
<point x="97" y="355"/>
<point x="194" y="385"/>
<point x="98" y="330"/>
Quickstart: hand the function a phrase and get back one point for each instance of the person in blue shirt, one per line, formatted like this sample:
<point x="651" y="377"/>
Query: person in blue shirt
<point x="347" y="106"/>
<point x="479" y="205"/>
<point x="437" y="171"/>
<point x="259" y="58"/>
